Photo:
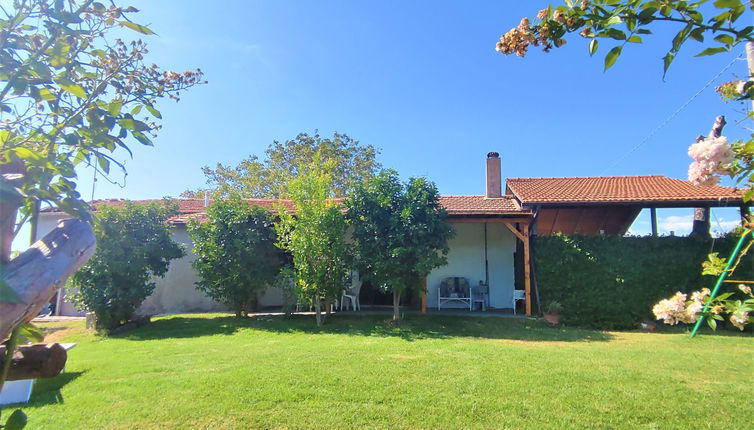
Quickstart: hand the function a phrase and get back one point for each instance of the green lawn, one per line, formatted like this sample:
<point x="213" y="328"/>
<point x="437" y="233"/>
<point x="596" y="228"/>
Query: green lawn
<point x="216" y="372"/>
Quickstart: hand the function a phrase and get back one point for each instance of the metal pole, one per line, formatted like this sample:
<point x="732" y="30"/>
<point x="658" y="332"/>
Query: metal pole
<point x="720" y="280"/>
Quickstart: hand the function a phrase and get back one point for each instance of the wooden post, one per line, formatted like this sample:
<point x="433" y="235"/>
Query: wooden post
<point x="424" y="296"/>
<point x="653" y="215"/>
<point x="527" y="269"/>
<point x="744" y="210"/>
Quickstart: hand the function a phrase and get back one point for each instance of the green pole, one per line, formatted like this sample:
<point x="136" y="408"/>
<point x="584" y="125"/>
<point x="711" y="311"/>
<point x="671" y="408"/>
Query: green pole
<point x="720" y="280"/>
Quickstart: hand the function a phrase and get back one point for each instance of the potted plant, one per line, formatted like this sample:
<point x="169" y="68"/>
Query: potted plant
<point x="552" y="312"/>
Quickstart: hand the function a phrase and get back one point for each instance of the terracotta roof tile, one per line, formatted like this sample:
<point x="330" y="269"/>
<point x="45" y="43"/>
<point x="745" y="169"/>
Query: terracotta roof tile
<point x="480" y="205"/>
<point x="617" y="189"/>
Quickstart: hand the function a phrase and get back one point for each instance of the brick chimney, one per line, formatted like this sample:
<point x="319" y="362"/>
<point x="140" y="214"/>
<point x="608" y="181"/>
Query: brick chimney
<point x="494" y="178"/>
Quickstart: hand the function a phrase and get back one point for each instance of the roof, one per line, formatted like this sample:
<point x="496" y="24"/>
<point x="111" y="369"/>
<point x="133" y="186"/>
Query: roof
<point x="455" y="205"/>
<point x="481" y="205"/>
<point x="619" y="189"/>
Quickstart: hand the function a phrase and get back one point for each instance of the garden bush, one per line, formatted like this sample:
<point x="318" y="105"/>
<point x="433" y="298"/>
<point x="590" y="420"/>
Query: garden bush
<point x="134" y="246"/>
<point x="612" y="282"/>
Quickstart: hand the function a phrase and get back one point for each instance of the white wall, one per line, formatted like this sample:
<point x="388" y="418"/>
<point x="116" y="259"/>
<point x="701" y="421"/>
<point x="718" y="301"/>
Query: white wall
<point x="466" y="259"/>
<point x="176" y="292"/>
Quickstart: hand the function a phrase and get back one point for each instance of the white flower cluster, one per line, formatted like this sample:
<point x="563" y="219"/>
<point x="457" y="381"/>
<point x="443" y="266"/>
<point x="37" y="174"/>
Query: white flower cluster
<point x="712" y="157"/>
<point x="676" y="309"/>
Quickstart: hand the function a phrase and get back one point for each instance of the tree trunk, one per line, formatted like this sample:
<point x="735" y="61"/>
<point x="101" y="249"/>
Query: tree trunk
<point x="42" y="269"/>
<point x="35" y="361"/>
<point x="396" y="305"/>
<point x="701" y="225"/>
<point x="318" y="311"/>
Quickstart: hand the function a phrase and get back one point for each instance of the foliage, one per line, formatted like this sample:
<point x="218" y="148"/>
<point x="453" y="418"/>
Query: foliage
<point x="554" y="307"/>
<point x="627" y="21"/>
<point x="611" y="282"/>
<point x="236" y="257"/>
<point x="399" y="231"/>
<point x="134" y="245"/>
<point x="315" y="235"/>
<point x="352" y="162"/>
<point x="70" y="93"/>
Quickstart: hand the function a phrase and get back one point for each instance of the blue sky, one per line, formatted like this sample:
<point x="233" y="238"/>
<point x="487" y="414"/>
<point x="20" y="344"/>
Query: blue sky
<point x="420" y="80"/>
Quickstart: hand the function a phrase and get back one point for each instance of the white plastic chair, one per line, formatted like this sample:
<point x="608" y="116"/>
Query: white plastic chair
<point x="518" y="295"/>
<point x="352" y="293"/>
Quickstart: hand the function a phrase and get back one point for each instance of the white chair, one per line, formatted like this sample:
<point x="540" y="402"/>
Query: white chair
<point x="352" y="293"/>
<point x="518" y="295"/>
<point x="480" y="294"/>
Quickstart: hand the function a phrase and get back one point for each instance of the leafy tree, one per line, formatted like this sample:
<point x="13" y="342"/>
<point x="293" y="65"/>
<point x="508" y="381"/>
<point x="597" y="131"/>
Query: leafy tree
<point x="70" y="93"/>
<point x="269" y="178"/>
<point x="315" y="235"/>
<point x="236" y="256"/>
<point x="135" y="245"/>
<point x="626" y="21"/>
<point x="399" y="231"/>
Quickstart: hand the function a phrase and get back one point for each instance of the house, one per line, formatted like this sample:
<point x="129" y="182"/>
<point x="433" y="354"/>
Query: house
<point x="494" y="232"/>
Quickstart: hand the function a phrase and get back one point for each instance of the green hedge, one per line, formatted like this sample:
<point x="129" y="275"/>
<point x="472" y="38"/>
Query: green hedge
<point x="612" y="282"/>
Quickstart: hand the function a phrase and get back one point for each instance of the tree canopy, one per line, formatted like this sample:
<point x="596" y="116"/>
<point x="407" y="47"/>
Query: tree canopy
<point x="236" y="256"/>
<point x="315" y="236"/>
<point x="352" y="162"/>
<point x="134" y="245"/>
<point x="399" y="231"/>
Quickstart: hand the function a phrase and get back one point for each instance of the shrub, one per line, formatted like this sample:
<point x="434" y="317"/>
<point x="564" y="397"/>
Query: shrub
<point x="612" y="282"/>
<point x="236" y="256"/>
<point x="134" y="245"/>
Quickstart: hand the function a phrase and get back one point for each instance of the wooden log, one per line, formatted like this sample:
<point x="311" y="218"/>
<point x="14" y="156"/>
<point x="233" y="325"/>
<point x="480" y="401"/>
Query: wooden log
<point x="35" y="361"/>
<point x="42" y="269"/>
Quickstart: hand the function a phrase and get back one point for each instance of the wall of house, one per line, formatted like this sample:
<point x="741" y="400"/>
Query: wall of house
<point x="466" y="259"/>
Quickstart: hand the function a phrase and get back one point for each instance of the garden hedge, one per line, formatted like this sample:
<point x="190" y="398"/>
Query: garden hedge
<point x="612" y="282"/>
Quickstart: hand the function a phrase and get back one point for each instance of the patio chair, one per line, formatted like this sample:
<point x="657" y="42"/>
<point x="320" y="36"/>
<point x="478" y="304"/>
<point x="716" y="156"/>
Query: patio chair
<point x="480" y="294"/>
<point x="518" y="295"/>
<point x="352" y="293"/>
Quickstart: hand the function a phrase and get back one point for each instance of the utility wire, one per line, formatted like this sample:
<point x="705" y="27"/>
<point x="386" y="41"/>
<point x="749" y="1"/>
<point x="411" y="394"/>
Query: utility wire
<point x="673" y="115"/>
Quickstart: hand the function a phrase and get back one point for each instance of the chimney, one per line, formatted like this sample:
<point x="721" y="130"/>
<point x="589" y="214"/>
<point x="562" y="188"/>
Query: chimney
<point x="494" y="178"/>
<point x="206" y="198"/>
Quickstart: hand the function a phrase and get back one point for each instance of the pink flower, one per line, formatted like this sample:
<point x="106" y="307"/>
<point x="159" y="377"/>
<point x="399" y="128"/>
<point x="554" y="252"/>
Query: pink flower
<point x="712" y="156"/>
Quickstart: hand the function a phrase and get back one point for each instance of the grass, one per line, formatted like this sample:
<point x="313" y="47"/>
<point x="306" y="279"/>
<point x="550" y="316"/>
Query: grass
<point x="217" y="372"/>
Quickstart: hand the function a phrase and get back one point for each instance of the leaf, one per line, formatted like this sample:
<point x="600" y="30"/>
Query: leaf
<point x="8" y="295"/>
<point x="613" y="20"/>
<point x="634" y="39"/>
<point x="136" y="27"/>
<point x="75" y="89"/>
<point x="16" y="420"/>
<point x="31" y="332"/>
<point x="727" y="4"/>
<point x="712" y="323"/>
<point x="47" y="95"/>
<point x="725" y="39"/>
<point x="612" y="56"/>
<point x="153" y="111"/>
<point x="711" y="51"/>
<point x="593" y="45"/>
<point x="666" y="61"/>
<point x="114" y="107"/>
